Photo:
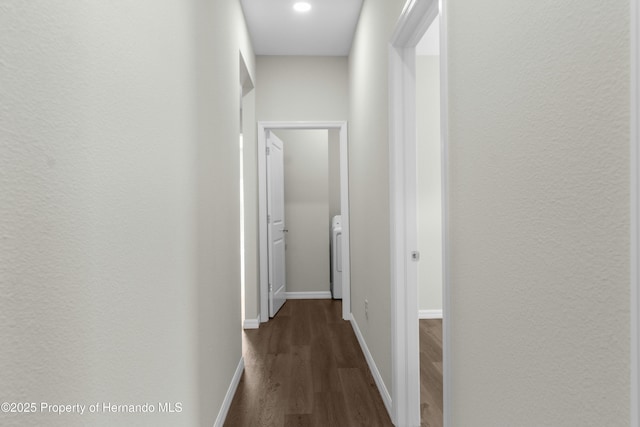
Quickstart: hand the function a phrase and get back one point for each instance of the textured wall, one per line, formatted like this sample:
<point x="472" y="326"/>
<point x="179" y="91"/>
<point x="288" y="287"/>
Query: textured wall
<point x="220" y="36"/>
<point x="111" y="274"/>
<point x="429" y="182"/>
<point x="369" y="177"/>
<point x="306" y="197"/>
<point x="539" y="148"/>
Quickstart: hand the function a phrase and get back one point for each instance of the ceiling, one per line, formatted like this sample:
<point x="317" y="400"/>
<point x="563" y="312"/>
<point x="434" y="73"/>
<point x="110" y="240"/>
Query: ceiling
<point x="326" y="30"/>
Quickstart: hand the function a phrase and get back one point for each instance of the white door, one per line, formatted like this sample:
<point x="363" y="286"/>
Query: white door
<point x="275" y="223"/>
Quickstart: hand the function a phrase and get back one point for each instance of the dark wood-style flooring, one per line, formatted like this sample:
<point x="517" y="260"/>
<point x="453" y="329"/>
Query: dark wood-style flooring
<point x="305" y="368"/>
<point x="431" y="373"/>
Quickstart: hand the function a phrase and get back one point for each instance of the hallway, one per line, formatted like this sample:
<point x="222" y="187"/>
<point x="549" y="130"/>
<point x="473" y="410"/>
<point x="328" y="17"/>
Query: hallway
<point x="305" y="368"/>
<point x="121" y="176"/>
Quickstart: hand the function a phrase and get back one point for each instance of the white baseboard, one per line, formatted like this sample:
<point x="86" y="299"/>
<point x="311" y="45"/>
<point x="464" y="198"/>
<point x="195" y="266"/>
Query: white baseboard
<point x="386" y="397"/>
<point x="251" y="323"/>
<point x="430" y="314"/>
<point x="309" y="295"/>
<point x="226" y="404"/>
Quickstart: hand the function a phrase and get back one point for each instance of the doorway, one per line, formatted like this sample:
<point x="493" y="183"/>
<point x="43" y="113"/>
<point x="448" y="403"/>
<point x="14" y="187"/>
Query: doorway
<point x="429" y="222"/>
<point x="416" y="18"/>
<point x="264" y="130"/>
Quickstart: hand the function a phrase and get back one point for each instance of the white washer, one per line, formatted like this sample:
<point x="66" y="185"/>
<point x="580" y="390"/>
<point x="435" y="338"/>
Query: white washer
<point x="336" y="257"/>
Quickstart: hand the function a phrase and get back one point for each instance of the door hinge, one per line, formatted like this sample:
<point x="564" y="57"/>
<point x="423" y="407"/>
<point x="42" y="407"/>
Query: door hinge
<point x="268" y="219"/>
<point x="268" y="151"/>
<point x="270" y="287"/>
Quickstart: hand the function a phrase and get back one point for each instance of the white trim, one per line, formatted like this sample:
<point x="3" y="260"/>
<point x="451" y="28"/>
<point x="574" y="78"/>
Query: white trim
<point x="251" y="323"/>
<point x="447" y="375"/>
<point x="346" y="221"/>
<point x="228" y="398"/>
<point x="414" y="21"/>
<point x="635" y="213"/>
<point x="262" y="226"/>
<point x="264" y="127"/>
<point x="430" y="314"/>
<point x="309" y="295"/>
<point x="384" y="393"/>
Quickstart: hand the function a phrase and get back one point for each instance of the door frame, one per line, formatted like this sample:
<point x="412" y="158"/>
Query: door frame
<point x="414" y="21"/>
<point x="634" y="185"/>
<point x="263" y="128"/>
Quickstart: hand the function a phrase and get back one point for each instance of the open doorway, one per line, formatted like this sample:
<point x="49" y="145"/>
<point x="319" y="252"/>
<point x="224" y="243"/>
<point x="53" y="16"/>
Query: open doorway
<point x="429" y="223"/>
<point x="406" y="257"/>
<point x="265" y="130"/>
<point x="299" y="196"/>
<point x="311" y="200"/>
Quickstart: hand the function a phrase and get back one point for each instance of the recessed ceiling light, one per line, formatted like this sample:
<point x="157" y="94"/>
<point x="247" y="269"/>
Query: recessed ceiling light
<point x="302" y="7"/>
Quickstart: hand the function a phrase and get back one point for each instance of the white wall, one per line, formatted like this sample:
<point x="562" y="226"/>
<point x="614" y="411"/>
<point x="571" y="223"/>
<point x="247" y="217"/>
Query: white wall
<point x="429" y="182"/>
<point x="306" y="195"/>
<point x="220" y="36"/>
<point x="539" y="155"/>
<point x="115" y="156"/>
<point x="302" y="88"/>
<point x="369" y="177"/>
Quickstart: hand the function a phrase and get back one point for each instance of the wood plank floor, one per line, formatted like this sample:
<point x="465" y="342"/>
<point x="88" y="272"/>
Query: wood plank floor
<point x="305" y="368"/>
<point x="431" y="373"/>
